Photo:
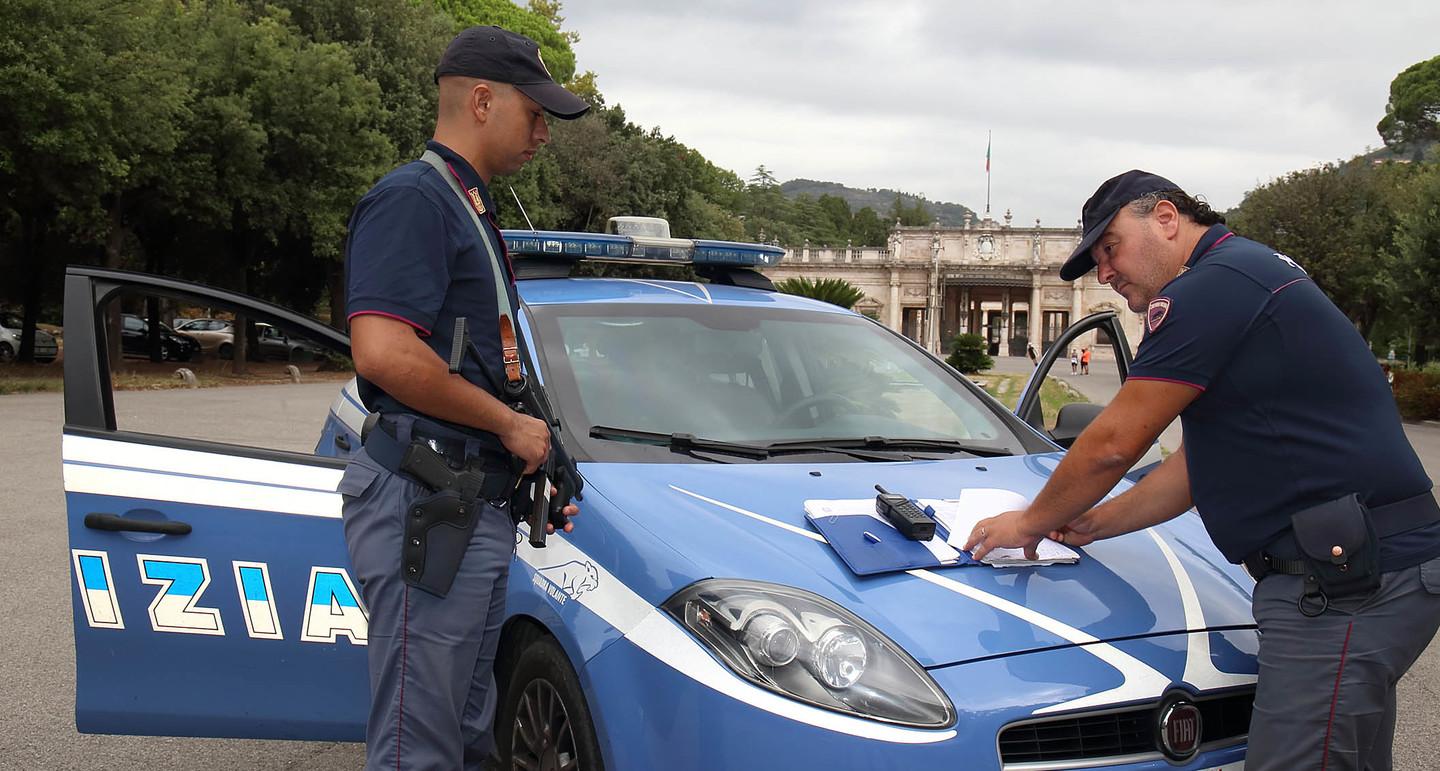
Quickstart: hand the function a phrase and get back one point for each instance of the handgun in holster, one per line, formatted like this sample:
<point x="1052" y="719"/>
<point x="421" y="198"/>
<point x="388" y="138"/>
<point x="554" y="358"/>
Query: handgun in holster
<point x="438" y="526"/>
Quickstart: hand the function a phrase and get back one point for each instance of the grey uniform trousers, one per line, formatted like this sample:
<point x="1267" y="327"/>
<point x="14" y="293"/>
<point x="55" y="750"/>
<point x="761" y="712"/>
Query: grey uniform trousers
<point x="432" y="688"/>
<point x="1326" y="696"/>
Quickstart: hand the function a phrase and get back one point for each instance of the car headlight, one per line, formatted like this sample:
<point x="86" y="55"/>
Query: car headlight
<point x="806" y="647"/>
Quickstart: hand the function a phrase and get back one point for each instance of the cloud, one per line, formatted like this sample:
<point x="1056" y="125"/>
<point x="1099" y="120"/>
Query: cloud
<point x="1218" y="96"/>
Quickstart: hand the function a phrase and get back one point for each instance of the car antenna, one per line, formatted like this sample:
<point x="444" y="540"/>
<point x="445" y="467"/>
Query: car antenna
<point x="522" y="209"/>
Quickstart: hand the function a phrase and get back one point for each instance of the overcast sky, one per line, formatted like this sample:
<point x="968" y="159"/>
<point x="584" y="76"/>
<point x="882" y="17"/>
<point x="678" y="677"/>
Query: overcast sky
<point x="1216" y="96"/>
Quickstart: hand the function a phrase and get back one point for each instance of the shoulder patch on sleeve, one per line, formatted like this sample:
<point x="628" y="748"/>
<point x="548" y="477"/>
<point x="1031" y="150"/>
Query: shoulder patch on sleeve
<point x="1156" y="313"/>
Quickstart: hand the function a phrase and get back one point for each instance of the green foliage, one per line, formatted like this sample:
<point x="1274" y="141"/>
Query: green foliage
<point x="968" y="353"/>
<point x="1339" y="222"/>
<point x="1417" y="395"/>
<point x="948" y="214"/>
<point x="836" y="291"/>
<point x="909" y="216"/>
<point x="1412" y="116"/>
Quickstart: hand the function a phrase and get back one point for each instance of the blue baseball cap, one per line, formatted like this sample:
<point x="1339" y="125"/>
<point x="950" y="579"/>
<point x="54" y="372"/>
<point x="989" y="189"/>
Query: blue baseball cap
<point x="1102" y="208"/>
<point x="493" y="53"/>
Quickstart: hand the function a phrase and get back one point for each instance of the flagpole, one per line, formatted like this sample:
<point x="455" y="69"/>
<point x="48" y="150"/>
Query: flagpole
<point x="987" y="172"/>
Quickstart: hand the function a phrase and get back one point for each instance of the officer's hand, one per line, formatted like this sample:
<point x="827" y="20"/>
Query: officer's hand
<point x="569" y="511"/>
<point x="1082" y="531"/>
<point x="527" y="439"/>
<point x="1005" y="531"/>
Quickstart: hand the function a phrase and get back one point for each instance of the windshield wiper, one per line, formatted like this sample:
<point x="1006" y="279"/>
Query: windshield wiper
<point x="680" y="442"/>
<point x="689" y="443"/>
<point x="890" y="443"/>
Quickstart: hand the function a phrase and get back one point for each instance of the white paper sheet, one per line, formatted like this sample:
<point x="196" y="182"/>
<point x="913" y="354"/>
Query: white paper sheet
<point x="959" y="516"/>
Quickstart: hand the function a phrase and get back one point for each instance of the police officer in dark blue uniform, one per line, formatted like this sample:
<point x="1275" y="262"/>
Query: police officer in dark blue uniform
<point x="1293" y="455"/>
<point x="424" y="249"/>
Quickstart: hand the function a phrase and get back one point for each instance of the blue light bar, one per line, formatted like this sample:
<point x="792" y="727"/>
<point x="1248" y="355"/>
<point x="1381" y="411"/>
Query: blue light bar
<point x="557" y="243"/>
<point x="640" y="249"/>
<point x="736" y="253"/>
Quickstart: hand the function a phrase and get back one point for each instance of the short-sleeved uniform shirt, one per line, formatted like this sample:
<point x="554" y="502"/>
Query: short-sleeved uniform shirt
<point x="415" y="255"/>
<point x="1294" y="410"/>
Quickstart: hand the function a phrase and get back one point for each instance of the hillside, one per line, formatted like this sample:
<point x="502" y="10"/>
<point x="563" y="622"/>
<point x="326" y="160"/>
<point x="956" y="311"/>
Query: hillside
<point x="952" y="214"/>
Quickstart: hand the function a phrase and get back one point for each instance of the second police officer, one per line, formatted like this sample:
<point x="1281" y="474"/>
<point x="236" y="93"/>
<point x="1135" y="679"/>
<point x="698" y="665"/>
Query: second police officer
<point x="1293" y="455"/>
<point x="424" y="249"/>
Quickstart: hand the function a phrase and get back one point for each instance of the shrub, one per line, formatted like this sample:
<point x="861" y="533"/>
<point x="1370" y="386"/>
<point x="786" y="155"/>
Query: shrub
<point x="967" y="354"/>
<point x="1417" y="394"/>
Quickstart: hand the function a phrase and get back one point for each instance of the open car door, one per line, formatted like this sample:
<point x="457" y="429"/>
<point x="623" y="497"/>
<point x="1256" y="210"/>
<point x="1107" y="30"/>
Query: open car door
<point x="1064" y="425"/>
<point x="212" y="595"/>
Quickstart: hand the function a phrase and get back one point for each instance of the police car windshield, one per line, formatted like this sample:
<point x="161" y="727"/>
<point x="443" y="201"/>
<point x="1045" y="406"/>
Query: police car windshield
<point x="751" y="375"/>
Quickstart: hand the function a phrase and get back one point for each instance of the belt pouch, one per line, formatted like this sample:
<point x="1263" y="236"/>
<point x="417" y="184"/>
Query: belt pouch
<point x="1337" y="541"/>
<point x="437" y="533"/>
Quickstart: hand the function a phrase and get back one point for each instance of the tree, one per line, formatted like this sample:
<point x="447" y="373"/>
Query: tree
<point x="836" y="291"/>
<point x="867" y="229"/>
<point x="1338" y="221"/>
<point x="89" y="101"/>
<point x="909" y="215"/>
<point x="1412" y="116"/>
<point x="968" y="354"/>
<point x="1417" y="238"/>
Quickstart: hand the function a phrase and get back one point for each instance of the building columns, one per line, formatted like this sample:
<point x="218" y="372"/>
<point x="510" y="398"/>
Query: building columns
<point x="897" y="317"/>
<point x="1006" y="322"/>
<point x="1035" y="313"/>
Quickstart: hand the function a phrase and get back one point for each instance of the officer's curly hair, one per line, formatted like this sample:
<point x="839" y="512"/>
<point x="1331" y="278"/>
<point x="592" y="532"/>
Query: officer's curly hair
<point x="1194" y="208"/>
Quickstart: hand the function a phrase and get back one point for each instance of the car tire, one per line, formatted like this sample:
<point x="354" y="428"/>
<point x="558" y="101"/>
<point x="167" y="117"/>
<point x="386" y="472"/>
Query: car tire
<point x="544" y="689"/>
<point x="7" y="354"/>
<point x="226" y="351"/>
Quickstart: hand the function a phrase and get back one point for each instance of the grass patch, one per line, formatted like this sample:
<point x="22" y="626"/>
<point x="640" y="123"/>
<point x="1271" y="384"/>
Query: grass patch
<point x="1054" y="393"/>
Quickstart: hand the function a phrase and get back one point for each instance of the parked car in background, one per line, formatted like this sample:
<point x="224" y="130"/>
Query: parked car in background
<point x="135" y="340"/>
<point x="11" y="333"/>
<point x="275" y="344"/>
<point x="216" y="336"/>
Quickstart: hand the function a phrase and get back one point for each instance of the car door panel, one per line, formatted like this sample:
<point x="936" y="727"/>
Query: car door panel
<point x="211" y="586"/>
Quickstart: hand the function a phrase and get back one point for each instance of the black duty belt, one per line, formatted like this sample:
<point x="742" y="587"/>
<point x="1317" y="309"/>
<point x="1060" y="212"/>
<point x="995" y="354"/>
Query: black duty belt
<point x="388" y="450"/>
<point x="1390" y="519"/>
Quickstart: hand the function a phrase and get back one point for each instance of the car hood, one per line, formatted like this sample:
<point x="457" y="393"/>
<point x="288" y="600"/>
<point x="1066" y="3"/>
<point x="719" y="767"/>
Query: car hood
<point x="748" y="521"/>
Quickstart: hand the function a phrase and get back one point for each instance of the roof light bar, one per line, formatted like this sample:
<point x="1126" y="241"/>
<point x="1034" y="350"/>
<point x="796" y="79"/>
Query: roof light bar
<point x="553" y="244"/>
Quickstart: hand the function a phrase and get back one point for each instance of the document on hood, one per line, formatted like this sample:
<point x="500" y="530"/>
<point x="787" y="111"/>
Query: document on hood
<point x="960" y="515"/>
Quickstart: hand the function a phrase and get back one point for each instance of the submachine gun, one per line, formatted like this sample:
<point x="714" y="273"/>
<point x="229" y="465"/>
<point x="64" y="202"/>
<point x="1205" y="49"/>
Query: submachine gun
<point x="526" y="397"/>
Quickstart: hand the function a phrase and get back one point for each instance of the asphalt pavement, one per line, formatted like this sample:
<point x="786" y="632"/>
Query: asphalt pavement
<point x="37" y="675"/>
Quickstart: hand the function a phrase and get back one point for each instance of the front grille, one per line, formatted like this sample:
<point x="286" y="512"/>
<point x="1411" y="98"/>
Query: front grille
<point x="1123" y="732"/>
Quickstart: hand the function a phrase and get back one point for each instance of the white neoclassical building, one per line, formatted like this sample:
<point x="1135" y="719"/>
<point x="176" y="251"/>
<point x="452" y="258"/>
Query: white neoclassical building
<point x="990" y="278"/>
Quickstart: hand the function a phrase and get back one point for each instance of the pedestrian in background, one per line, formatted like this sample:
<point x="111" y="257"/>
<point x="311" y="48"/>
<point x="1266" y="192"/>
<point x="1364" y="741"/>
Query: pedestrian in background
<point x="1294" y="457"/>
<point x="1085" y="361"/>
<point x="1074" y="362"/>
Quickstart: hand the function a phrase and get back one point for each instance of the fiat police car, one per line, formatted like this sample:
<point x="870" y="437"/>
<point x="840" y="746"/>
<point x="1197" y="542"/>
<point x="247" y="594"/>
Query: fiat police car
<point x="695" y="619"/>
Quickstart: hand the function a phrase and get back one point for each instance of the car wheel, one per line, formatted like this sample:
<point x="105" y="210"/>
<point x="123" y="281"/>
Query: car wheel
<point x="226" y="350"/>
<point x="7" y="354"/>
<point x="544" y="722"/>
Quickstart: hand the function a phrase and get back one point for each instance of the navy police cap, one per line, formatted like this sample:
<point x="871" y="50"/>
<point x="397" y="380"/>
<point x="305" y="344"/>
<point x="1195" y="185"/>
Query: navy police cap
<point x="1101" y="209"/>
<point x="492" y="53"/>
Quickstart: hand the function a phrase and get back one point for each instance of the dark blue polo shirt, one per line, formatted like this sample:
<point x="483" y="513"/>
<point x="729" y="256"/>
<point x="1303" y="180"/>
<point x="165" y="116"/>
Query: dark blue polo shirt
<point x="1293" y="410"/>
<point x="414" y="255"/>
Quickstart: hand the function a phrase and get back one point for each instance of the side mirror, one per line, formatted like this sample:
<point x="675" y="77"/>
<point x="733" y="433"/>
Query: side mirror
<point x="1072" y="420"/>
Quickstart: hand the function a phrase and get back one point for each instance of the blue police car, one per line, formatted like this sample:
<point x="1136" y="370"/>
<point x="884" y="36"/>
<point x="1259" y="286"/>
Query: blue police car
<point x="695" y="618"/>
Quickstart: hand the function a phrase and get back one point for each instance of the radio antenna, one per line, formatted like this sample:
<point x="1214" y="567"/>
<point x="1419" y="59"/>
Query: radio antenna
<point x="522" y="210"/>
